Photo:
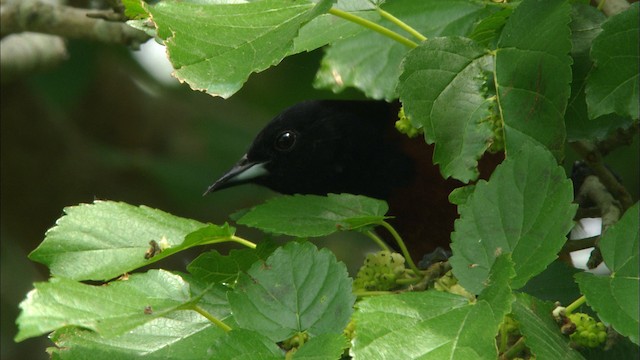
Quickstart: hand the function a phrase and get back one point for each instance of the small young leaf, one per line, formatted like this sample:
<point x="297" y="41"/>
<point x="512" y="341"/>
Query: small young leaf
<point x="313" y="215"/>
<point x="215" y="47"/>
<point x="109" y="310"/>
<point x="542" y="334"/>
<point x="293" y="291"/>
<point x="615" y="297"/>
<point x="212" y="267"/>
<point x="433" y="324"/>
<point x="441" y="89"/>
<point x="459" y="196"/>
<point x="612" y="86"/>
<point x="486" y="31"/>
<point x="524" y="209"/>
<point x="105" y="239"/>
<point x="533" y="73"/>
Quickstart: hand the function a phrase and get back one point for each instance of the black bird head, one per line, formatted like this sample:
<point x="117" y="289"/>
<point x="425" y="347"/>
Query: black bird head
<point x="320" y="147"/>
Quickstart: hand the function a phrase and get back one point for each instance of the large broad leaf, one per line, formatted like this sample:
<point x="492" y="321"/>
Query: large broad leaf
<point x="442" y="91"/>
<point x="533" y="73"/>
<point x="313" y="215"/>
<point x="370" y="62"/>
<point x="434" y="325"/>
<point x="293" y="291"/>
<point x="215" y="47"/>
<point x="615" y="297"/>
<point x="178" y="335"/>
<point x="585" y="26"/>
<point x="245" y="344"/>
<point x="524" y="209"/>
<point x="108" y="310"/>
<point x="541" y="332"/>
<point x="105" y="239"/>
<point x="612" y="86"/>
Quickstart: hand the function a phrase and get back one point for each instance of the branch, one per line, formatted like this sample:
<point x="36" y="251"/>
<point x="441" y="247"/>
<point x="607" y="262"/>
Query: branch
<point x="69" y="22"/>
<point x="26" y="53"/>
<point x="617" y="139"/>
<point x="592" y="156"/>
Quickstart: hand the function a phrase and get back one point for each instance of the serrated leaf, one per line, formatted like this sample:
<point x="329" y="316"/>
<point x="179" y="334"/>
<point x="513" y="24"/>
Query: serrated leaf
<point x="370" y="62"/>
<point x="215" y="47"/>
<point x="105" y="239"/>
<point x="243" y="344"/>
<point x="313" y="215"/>
<point x="441" y="89"/>
<point x="433" y="325"/>
<point x="108" y="310"/>
<point x="612" y="86"/>
<point x="322" y="347"/>
<point x="177" y="335"/>
<point x="542" y="334"/>
<point x="533" y="73"/>
<point x="615" y="297"/>
<point x="524" y="209"/>
<point x="293" y="291"/>
<point x="585" y="26"/>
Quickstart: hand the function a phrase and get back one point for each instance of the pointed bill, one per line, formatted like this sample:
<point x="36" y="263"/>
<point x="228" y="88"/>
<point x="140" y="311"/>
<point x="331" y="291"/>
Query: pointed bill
<point x="242" y="172"/>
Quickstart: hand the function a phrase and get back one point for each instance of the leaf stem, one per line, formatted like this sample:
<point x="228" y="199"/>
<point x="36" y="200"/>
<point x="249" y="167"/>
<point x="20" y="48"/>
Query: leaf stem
<point x="404" y="26"/>
<point x="242" y="241"/>
<point x="377" y="239"/>
<point x="574" y="305"/>
<point x="211" y="318"/>
<point x="402" y="246"/>
<point x="372" y="26"/>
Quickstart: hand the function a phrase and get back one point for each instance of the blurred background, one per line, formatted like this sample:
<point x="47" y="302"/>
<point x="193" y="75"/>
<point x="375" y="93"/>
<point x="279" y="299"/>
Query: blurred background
<point x="101" y="126"/>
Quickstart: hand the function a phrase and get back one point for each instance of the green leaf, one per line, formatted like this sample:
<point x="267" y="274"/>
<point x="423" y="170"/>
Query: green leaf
<point x="612" y="86"/>
<point x="441" y="89"/>
<point x="555" y="283"/>
<point x="109" y="310"/>
<point x="434" y="325"/>
<point x="524" y="209"/>
<point x="615" y="297"/>
<point x="325" y="347"/>
<point x="243" y="344"/>
<point x="370" y="62"/>
<point x="459" y="196"/>
<point x="313" y="215"/>
<point x="212" y="267"/>
<point x="105" y="239"/>
<point x="215" y="47"/>
<point x="486" y="31"/>
<point x="533" y="73"/>
<point x="542" y="334"/>
<point x="133" y="9"/>
<point x="585" y="26"/>
<point x="293" y="291"/>
<point x="179" y="335"/>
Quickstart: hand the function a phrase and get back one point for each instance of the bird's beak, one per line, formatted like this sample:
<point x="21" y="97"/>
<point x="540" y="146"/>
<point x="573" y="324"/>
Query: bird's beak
<point x="242" y="172"/>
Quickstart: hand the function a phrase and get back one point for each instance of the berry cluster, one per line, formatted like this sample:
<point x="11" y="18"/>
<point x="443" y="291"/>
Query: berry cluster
<point x="404" y="125"/>
<point x="588" y="333"/>
<point x="380" y="271"/>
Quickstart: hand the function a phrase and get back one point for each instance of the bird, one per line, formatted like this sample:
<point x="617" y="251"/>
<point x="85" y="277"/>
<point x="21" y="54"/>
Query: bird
<point x="351" y="146"/>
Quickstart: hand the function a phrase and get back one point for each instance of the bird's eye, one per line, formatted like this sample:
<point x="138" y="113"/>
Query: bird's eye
<point x="285" y="141"/>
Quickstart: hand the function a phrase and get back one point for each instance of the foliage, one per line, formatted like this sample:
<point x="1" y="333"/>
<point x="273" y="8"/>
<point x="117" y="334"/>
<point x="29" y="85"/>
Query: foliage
<point x="519" y="78"/>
